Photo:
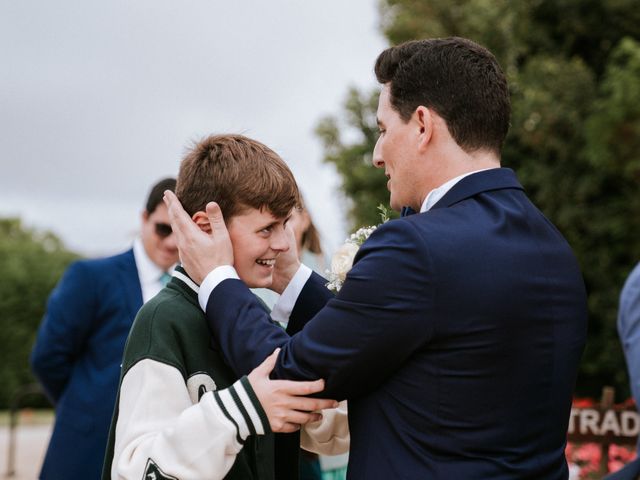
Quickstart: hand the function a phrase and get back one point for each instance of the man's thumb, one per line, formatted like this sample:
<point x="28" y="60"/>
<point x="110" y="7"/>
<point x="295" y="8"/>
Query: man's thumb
<point x="216" y="219"/>
<point x="270" y="362"/>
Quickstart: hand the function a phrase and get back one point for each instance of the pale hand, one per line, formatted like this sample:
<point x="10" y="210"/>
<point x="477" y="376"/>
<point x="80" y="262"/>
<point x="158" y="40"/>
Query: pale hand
<point x="283" y="400"/>
<point x="200" y="252"/>
<point x="287" y="264"/>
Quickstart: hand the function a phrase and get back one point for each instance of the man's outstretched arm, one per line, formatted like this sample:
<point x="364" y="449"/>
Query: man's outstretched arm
<point x="378" y="320"/>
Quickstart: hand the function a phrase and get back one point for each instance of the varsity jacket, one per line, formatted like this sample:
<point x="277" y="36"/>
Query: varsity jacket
<point x="181" y="412"/>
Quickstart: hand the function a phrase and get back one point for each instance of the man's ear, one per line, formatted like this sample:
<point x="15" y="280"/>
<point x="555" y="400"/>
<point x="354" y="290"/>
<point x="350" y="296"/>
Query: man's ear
<point x="201" y="219"/>
<point x="424" y="121"/>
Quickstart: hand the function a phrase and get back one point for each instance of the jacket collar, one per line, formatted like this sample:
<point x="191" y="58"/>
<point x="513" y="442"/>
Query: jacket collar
<point x="487" y="180"/>
<point x="181" y="281"/>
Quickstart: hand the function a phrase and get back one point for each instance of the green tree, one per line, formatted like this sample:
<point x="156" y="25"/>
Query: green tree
<point x="365" y="187"/>
<point x="31" y="263"/>
<point x="574" y="72"/>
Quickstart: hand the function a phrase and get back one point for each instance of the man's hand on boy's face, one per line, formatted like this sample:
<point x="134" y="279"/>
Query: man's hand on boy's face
<point x="200" y="252"/>
<point x="283" y="400"/>
<point x="287" y="264"/>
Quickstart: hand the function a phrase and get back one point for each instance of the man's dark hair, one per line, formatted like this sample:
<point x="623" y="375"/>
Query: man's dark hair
<point x="157" y="192"/>
<point x="458" y="79"/>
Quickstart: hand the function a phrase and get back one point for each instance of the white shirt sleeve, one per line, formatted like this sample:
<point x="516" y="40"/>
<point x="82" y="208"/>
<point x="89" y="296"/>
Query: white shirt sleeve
<point x="158" y="422"/>
<point x="282" y="308"/>
<point x="212" y="280"/>
<point x="284" y="305"/>
<point x="329" y="436"/>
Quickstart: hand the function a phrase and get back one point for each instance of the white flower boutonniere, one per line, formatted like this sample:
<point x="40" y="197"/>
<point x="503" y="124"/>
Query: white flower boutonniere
<point x="342" y="260"/>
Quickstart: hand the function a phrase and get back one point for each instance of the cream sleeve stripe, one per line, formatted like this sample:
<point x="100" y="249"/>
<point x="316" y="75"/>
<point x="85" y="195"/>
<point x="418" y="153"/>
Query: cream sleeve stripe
<point x="158" y="421"/>
<point x="242" y="408"/>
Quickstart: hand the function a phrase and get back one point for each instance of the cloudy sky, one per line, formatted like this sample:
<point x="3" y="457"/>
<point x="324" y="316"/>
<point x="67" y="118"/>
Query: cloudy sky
<point x="99" y="99"/>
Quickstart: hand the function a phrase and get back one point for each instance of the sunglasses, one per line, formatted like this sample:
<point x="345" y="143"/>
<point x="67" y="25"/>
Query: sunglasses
<point x="163" y="230"/>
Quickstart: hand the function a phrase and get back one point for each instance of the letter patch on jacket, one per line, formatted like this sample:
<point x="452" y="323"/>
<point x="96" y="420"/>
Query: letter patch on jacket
<point x="153" y="472"/>
<point x="198" y="384"/>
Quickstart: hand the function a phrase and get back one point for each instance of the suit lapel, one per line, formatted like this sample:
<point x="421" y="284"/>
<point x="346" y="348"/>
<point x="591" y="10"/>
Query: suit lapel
<point x="130" y="282"/>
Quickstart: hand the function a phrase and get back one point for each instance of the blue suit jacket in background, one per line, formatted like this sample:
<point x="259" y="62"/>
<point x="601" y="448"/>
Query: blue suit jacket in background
<point x="456" y="339"/>
<point x="77" y="359"/>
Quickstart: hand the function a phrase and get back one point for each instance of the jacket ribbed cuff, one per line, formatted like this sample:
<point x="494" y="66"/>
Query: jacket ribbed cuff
<point x="241" y="406"/>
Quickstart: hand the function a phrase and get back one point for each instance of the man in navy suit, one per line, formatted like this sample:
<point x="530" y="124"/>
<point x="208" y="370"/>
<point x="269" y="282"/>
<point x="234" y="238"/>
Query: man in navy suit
<point x="457" y="334"/>
<point x="78" y="350"/>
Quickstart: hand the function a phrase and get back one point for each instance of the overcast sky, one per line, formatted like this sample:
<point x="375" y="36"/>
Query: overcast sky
<point x="99" y="99"/>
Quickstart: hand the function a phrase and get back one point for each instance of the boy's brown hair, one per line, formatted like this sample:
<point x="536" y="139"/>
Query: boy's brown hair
<point x="238" y="173"/>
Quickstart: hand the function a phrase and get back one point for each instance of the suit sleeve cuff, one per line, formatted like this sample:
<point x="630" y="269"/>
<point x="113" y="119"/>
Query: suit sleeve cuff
<point x="283" y="307"/>
<point x="211" y="281"/>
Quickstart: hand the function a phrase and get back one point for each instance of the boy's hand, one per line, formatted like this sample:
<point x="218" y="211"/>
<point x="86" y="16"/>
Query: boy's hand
<point x="200" y="252"/>
<point x="286" y="409"/>
<point x="287" y="264"/>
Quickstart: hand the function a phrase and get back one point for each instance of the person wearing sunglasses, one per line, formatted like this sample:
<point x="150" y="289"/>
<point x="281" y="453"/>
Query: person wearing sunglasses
<point x="79" y="347"/>
<point x="155" y="250"/>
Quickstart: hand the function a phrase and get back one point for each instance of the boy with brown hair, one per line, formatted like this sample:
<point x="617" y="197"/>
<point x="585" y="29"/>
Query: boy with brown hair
<point x="182" y="413"/>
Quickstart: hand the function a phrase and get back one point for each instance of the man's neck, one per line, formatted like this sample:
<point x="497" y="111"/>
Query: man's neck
<point x="458" y="165"/>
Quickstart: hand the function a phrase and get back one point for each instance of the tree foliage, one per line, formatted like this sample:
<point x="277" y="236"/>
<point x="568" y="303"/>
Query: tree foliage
<point x="574" y="73"/>
<point x="364" y="186"/>
<point x="31" y="263"/>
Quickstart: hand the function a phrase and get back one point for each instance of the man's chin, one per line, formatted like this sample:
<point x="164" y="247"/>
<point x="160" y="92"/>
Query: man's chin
<point x="167" y="263"/>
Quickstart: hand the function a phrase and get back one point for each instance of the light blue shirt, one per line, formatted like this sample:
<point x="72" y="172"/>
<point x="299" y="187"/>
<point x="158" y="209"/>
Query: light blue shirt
<point x="629" y="328"/>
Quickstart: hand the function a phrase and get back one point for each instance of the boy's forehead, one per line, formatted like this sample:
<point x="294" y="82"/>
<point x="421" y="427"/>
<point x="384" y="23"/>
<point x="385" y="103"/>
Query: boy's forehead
<point x="257" y="214"/>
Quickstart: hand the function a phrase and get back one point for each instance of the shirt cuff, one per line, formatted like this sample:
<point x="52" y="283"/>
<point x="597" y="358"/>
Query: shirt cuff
<point x="284" y="306"/>
<point x="211" y="281"/>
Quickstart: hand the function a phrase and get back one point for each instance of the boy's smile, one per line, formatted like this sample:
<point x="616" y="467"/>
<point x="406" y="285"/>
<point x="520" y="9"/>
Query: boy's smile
<point x="258" y="238"/>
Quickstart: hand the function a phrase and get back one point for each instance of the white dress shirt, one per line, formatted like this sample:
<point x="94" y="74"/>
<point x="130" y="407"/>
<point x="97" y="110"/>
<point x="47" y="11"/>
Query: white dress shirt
<point x="148" y="272"/>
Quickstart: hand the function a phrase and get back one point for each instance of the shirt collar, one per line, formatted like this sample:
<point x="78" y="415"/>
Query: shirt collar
<point x="439" y="192"/>
<point x="148" y="271"/>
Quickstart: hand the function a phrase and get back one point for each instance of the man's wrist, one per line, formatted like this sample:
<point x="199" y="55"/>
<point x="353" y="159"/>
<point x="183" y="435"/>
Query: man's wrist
<point x="283" y="279"/>
<point x="212" y="280"/>
<point x="284" y="306"/>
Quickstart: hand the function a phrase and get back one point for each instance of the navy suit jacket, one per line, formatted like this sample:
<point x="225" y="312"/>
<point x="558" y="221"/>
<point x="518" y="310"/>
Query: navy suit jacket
<point x="456" y="339"/>
<point x="77" y="359"/>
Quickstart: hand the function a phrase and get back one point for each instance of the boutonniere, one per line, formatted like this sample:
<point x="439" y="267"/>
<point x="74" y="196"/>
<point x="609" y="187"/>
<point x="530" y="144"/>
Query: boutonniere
<point x="342" y="260"/>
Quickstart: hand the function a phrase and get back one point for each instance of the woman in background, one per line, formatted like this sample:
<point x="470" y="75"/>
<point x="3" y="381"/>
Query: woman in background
<point x="310" y="253"/>
<point x="307" y="239"/>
